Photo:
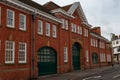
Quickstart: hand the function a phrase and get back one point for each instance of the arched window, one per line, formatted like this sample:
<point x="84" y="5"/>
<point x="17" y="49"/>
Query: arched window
<point x="94" y="58"/>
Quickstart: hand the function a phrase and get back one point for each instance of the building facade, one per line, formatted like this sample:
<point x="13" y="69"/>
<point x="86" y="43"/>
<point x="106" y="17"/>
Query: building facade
<point x="116" y="48"/>
<point x="40" y="40"/>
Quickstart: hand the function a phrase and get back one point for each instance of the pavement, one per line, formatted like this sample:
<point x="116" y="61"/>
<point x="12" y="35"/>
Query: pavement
<point x="76" y="74"/>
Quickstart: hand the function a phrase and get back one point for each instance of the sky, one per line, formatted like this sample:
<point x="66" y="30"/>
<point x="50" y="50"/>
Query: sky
<point x="99" y="13"/>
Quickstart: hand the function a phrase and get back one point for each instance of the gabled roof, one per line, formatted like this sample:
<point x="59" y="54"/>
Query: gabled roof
<point x="98" y="36"/>
<point x="36" y="5"/>
<point x="75" y="6"/>
<point x="66" y="7"/>
<point x="51" y="5"/>
<point x="33" y="7"/>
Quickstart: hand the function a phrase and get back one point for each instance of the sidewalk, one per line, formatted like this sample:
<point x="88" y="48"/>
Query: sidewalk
<point x="76" y="74"/>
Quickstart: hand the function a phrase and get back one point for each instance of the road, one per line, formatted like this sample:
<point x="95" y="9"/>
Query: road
<point x="111" y="74"/>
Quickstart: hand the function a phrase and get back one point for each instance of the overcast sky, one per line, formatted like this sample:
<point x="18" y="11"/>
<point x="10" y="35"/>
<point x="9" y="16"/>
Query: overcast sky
<point x="103" y="13"/>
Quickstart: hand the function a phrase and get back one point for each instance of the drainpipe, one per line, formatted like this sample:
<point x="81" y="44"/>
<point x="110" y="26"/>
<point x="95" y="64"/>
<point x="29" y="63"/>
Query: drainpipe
<point x="99" y="52"/>
<point x="33" y="45"/>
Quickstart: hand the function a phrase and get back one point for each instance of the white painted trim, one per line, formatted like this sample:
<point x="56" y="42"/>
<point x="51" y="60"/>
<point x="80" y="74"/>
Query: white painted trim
<point x="10" y="26"/>
<point x="62" y="11"/>
<point x="10" y="62"/>
<point x="32" y="9"/>
<point x="92" y="34"/>
<point x="54" y="29"/>
<point x="24" y="22"/>
<point x="47" y="26"/>
<point x="41" y="32"/>
<point x="25" y="53"/>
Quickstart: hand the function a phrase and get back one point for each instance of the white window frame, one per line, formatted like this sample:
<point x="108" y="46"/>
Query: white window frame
<point x="87" y="56"/>
<point x="85" y="32"/>
<point x="8" y="25"/>
<point x="9" y="43"/>
<point x="80" y="31"/>
<point x="102" y="57"/>
<point x="109" y="59"/>
<point x="47" y="29"/>
<point x="91" y="40"/>
<point x="40" y="27"/>
<point x="25" y="51"/>
<point x="75" y="28"/>
<point x="72" y="27"/>
<point x="23" y="21"/>
<point x="66" y="24"/>
<point x="96" y="43"/>
<point x="65" y="54"/>
<point x="54" y="31"/>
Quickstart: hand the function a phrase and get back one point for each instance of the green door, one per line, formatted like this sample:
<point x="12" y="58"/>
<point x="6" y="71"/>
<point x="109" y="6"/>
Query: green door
<point x="47" y="62"/>
<point x="76" y="56"/>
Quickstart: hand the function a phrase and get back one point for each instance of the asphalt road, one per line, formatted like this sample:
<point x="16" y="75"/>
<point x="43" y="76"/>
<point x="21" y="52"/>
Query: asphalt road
<point x="111" y="74"/>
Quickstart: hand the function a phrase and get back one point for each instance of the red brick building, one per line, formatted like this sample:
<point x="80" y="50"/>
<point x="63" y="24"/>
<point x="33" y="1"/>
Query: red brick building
<point x="40" y="40"/>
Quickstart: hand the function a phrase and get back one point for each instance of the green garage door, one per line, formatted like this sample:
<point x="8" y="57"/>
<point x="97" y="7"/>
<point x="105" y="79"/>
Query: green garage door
<point x="47" y="62"/>
<point x="76" y="56"/>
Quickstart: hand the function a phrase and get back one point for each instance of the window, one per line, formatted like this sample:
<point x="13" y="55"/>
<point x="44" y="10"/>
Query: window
<point x="117" y="42"/>
<point x="100" y="44"/>
<point x="85" y="32"/>
<point x="22" y="23"/>
<point x="65" y="54"/>
<point x="22" y="52"/>
<point x="75" y="28"/>
<point x="118" y="49"/>
<point x="10" y="18"/>
<point x="80" y="31"/>
<point x="9" y="51"/>
<point x="91" y="42"/>
<point x="87" y="56"/>
<point x="96" y="43"/>
<point x="72" y="27"/>
<point x="54" y="31"/>
<point x="0" y="15"/>
<point x="47" y="29"/>
<point x="94" y="58"/>
<point x="66" y="24"/>
<point x="108" y="57"/>
<point x="40" y="27"/>
<point x="102" y="57"/>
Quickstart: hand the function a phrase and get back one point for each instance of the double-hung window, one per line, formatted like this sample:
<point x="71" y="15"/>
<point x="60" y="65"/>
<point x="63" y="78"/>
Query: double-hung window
<point x="9" y="51"/>
<point x="47" y="29"/>
<point x="54" y="31"/>
<point x="65" y="54"/>
<point x="66" y="24"/>
<point x="80" y="31"/>
<point x="22" y="22"/>
<point x="40" y="27"/>
<point x="22" y="52"/>
<point x="10" y="18"/>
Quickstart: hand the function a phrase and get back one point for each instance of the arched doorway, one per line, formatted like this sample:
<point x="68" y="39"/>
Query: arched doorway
<point x="94" y="58"/>
<point x="76" y="56"/>
<point x="47" y="61"/>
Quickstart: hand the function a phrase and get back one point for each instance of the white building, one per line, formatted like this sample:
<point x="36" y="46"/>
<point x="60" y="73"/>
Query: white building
<point x="116" y="48"/>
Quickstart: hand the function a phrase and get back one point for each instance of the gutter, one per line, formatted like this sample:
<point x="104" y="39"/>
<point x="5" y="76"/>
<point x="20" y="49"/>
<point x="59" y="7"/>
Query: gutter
<point x="32" y="9"/>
